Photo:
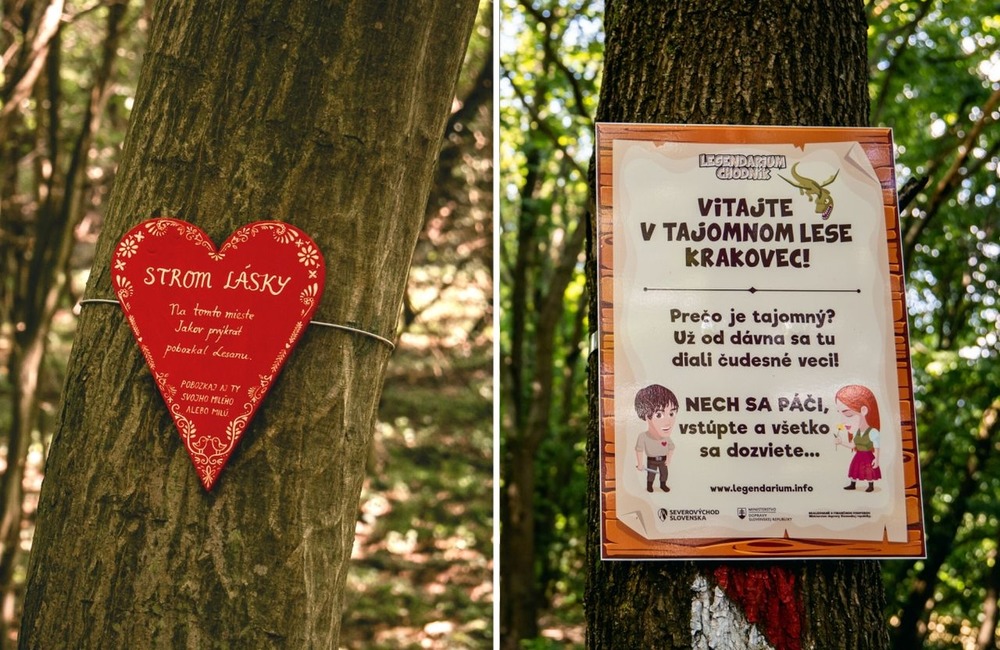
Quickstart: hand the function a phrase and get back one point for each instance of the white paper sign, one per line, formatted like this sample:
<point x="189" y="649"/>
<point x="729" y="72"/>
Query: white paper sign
<point x="753" y="358"/>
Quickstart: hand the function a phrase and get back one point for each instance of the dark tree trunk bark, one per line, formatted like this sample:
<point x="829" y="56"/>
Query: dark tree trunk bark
<point x="519" y="601"/>
<point x="325" y="115"/>
<point x="720" y="62"/>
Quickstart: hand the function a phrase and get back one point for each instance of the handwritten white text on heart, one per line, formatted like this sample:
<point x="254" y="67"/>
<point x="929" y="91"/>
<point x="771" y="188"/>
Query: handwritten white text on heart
<point x="246" y="280"/>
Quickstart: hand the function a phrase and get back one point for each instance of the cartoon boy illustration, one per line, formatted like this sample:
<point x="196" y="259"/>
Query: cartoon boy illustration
<point x="657" y="406"/>
<point x="859" y="411"/>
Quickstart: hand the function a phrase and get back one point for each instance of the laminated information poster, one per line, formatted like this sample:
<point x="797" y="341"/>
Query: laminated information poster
<point x="755" y="380"/>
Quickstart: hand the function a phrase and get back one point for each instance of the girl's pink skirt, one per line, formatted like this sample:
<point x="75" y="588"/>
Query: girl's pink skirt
<point x="861" y="467"/>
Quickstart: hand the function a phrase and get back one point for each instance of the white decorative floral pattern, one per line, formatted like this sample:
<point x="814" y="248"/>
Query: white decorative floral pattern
<point x="308" y="255"/>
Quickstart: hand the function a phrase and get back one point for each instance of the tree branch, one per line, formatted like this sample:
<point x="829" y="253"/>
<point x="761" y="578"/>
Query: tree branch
<point x="953" y="177"/>
<point x="23" y="81"/>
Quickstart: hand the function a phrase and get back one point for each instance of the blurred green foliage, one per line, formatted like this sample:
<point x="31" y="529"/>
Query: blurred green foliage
<point x="550" y="69"/>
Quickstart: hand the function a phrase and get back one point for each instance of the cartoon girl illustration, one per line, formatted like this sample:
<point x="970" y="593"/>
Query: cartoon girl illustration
<point x="859" y="411"/>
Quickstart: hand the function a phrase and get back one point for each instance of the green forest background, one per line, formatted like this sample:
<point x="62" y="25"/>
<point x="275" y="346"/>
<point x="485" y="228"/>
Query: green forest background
<point x="934" y="71"/>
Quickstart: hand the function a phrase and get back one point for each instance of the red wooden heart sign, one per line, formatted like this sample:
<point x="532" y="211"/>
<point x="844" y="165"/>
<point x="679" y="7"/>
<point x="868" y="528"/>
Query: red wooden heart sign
<point x="216" y="325"/>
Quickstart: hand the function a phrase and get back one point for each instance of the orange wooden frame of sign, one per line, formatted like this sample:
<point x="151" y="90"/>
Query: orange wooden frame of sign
<point x="620" y="541"/>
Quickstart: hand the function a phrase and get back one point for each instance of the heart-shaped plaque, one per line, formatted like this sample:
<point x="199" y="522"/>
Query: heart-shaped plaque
<point x="216" y="325"/>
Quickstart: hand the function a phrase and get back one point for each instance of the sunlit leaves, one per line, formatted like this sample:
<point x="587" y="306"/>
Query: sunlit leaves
<point x="935" y="78"/>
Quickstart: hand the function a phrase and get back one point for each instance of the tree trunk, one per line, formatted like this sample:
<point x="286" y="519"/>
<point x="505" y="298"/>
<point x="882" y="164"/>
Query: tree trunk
<point x="986" y="638"/>
<point x="718" y="62"/>
<point x="325" y="115"/>
<point x="519" y="601"/>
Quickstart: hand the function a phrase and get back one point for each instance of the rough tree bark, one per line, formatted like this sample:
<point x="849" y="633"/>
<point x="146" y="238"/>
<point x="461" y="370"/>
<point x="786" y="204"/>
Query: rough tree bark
<point x="325" y="115"/>
<point x="720" y="62"/>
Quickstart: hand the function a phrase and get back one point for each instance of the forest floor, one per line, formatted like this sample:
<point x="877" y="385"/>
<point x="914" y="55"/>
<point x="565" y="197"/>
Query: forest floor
<point x="422" y="568"/>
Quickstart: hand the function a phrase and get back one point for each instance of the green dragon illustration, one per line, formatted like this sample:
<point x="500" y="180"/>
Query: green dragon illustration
<point x="815" y="191"/>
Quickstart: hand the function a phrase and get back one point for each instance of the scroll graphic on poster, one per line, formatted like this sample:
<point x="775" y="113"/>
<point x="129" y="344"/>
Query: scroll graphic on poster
<point x="756" y="398"/>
